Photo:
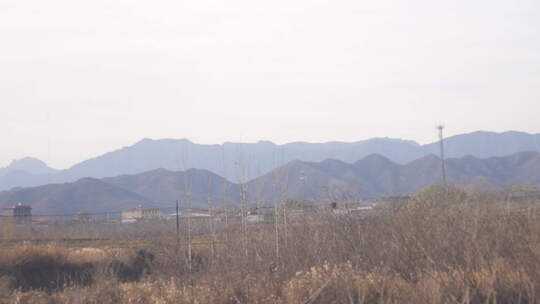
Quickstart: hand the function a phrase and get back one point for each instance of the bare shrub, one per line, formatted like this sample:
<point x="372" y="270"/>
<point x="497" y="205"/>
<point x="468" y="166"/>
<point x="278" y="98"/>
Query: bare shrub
<point x="44" y="268"/>
<point x="444" y="245"/>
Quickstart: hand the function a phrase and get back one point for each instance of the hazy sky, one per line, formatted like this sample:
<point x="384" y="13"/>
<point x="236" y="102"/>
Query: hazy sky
<point x="80" y="78"/>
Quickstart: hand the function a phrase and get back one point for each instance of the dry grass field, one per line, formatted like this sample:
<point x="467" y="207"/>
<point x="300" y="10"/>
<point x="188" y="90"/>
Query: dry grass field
<point x="442" y="246"/>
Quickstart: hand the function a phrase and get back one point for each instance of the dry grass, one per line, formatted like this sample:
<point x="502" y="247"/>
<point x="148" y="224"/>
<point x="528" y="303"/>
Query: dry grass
<point x="443" y="246"/>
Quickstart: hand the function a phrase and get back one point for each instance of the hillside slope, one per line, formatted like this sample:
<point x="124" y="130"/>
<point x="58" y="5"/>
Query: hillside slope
<point x="240" y="162"/>
<point x="371" y="177"/>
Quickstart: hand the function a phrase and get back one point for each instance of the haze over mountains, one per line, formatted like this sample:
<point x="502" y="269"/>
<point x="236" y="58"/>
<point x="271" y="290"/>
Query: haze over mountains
<point x="246" y="161"/>
<point x="150" y="189"/>
<point x="370" y="177"/>
<point x="375" y="176"/>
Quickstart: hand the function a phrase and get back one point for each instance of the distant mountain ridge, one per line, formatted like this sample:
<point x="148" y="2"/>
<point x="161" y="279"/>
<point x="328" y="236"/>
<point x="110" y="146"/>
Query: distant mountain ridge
<point x="329" y="180"/>
<point x="29" y="165"/>
<point x="245" y="161"/>
<point x="376" y="176"/>
<point x="26" y="172"/>
<point x="83" y="195"/>
<point x="157" y="188"/>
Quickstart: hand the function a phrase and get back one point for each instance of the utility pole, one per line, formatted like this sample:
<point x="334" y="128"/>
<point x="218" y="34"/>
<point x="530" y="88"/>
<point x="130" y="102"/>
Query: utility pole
<point x="177" y="231"/>
<point x="177" y="223"/>
<point x="441" y="141"/>
<point x="189" y="233"/>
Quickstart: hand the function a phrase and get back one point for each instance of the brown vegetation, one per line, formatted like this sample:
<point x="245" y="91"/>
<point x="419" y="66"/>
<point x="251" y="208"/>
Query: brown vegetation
<point x="443" y="246"/>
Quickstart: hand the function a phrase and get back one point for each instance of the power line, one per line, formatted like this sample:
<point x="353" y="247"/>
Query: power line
<point x="172" y="207"/>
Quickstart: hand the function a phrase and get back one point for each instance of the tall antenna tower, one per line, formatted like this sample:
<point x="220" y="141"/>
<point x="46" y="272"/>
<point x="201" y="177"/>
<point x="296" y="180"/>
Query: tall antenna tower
<point x="441" y="141"/>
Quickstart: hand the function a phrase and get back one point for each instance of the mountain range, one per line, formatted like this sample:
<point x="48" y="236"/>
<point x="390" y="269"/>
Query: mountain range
<point x="240" y="162"/>
<point x="157" y="188"/>
<point x="329" y="180"/>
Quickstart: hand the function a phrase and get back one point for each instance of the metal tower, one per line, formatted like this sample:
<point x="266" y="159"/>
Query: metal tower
<point x="441" y="140"/>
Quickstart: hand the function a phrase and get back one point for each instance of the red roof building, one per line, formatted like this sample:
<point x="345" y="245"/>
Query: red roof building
<point x="21" y="213"/>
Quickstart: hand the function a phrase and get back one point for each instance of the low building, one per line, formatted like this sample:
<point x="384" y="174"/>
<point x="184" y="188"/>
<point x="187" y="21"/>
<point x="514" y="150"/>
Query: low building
<point x="82" y="217"/>
<point x="260" y="214"/>
<point x="140" y="213"/>
<point x="189" y="214"/>
<point x="20" y="213"/>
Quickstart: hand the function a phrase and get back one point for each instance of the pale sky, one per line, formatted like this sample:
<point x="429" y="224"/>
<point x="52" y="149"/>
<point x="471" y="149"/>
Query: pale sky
<point x="81" y="78"/>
